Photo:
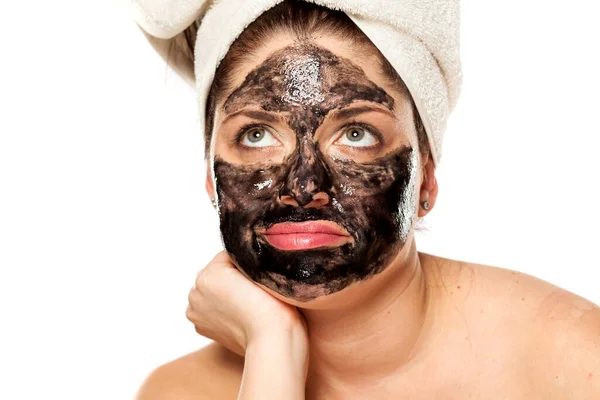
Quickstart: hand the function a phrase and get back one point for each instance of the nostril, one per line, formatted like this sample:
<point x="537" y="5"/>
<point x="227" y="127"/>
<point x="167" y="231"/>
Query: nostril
<point x="288" y="201"/>
<point x="318" y="200"/>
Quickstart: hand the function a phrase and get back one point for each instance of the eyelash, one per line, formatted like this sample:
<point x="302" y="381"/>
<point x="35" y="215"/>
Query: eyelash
<point x="369" y="128"/>
<point x="244" y="129"/>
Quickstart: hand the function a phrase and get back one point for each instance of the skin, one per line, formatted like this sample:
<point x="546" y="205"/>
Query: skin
<point x="416" y="326"/>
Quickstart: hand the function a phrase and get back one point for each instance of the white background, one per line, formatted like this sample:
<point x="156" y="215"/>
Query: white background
<point x="104" y="220"/>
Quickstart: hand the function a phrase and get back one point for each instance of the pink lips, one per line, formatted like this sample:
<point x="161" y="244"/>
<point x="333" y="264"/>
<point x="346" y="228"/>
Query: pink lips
<point x="305" y="235"/>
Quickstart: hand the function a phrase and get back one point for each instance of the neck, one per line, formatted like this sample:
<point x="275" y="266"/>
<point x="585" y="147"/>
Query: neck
<point x="382" y="330"/>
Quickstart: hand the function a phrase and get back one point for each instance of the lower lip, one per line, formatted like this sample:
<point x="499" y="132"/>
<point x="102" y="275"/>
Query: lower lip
<point x="303" y="241"/>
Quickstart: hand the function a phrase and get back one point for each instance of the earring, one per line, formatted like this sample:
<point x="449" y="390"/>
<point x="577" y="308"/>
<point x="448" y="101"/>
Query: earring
<point x="425" y="205"/>
<point x="214" y="202"/>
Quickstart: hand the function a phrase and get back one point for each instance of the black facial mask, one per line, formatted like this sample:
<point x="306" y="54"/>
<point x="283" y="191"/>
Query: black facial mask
<point x="375" y="201"/>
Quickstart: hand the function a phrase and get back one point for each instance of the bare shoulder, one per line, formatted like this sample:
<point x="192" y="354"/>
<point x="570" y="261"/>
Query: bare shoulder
<point x="526" y="298"/>
<point x="509" y="294"/>
<point x="552" y="334"/>
<point x="212" y="372"/>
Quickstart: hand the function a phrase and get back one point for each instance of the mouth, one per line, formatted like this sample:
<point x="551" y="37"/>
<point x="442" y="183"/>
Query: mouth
<point x="305" y="235"/>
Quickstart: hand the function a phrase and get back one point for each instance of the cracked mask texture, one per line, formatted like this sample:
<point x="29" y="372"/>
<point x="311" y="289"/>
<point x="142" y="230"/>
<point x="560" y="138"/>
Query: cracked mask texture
<point x="374" y="201"/>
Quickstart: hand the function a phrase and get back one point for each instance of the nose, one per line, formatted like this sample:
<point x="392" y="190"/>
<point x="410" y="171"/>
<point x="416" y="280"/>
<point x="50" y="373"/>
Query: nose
<point x="307" y="181"/>
<point x="318" y="200"/>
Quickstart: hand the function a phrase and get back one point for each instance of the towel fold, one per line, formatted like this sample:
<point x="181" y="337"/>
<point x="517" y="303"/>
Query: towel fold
<point x="420" y="39"/>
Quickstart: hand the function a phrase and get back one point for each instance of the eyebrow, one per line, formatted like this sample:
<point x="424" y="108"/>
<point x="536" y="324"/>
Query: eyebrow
<point x="345" y="113"/>
<point x="265" y="116"/>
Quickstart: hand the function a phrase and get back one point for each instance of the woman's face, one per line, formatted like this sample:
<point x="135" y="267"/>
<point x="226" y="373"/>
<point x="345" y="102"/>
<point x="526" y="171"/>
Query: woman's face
<point x="313" y="137"/>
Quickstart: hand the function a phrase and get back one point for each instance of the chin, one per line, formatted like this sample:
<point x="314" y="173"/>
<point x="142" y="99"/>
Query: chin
<point x="299" y="294"/>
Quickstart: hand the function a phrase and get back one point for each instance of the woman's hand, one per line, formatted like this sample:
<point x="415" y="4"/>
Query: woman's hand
<point x="224" y="305"/>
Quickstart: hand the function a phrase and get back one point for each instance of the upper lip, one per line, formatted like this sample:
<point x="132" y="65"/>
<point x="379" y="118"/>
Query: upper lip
<point x="305" y="227"/>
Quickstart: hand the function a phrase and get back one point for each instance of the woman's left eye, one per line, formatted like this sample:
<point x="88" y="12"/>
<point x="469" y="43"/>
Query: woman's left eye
<point x="258" y="137"/>
<point x="358" y="137"/>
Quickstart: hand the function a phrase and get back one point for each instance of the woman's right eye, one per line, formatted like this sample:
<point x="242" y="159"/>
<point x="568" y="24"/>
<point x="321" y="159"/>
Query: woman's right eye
<point x="258" y="137"/>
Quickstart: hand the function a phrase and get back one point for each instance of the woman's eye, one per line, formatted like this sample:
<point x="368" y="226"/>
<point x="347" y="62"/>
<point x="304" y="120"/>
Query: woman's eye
<point x="258" y="137"/>
<point x="358" y="137"/>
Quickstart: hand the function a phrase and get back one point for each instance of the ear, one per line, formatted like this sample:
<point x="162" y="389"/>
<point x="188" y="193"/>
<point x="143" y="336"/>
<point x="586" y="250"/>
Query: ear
<point x="210" y="188"/>
<point x="429" y="187"/>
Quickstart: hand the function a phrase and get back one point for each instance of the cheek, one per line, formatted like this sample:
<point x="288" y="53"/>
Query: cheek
<point x="384" y="177"/>
<point x="379" y="194"/>
<point x="242" y="188"/>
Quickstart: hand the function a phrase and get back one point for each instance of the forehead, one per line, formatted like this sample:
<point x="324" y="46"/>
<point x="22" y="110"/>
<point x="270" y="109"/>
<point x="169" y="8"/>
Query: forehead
<point x="323" y="72"/>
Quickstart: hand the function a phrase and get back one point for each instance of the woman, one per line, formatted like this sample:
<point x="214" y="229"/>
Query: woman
<point x="321" y="158"/>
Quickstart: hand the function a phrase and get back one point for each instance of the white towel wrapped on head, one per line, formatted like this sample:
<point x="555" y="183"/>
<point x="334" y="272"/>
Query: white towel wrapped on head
<point x="420" y="39"/>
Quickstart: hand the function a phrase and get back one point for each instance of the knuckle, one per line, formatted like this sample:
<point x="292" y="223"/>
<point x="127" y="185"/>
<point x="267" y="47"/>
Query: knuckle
<point x="191" y="299"/>
<point x="219" y="257"/>
<point x="200" y="282"/>
<point x="190" y="314"/>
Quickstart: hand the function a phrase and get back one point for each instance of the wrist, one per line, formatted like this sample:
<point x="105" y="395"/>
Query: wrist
<point x="284" y="326"/>
<point x="287" y="345"/>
